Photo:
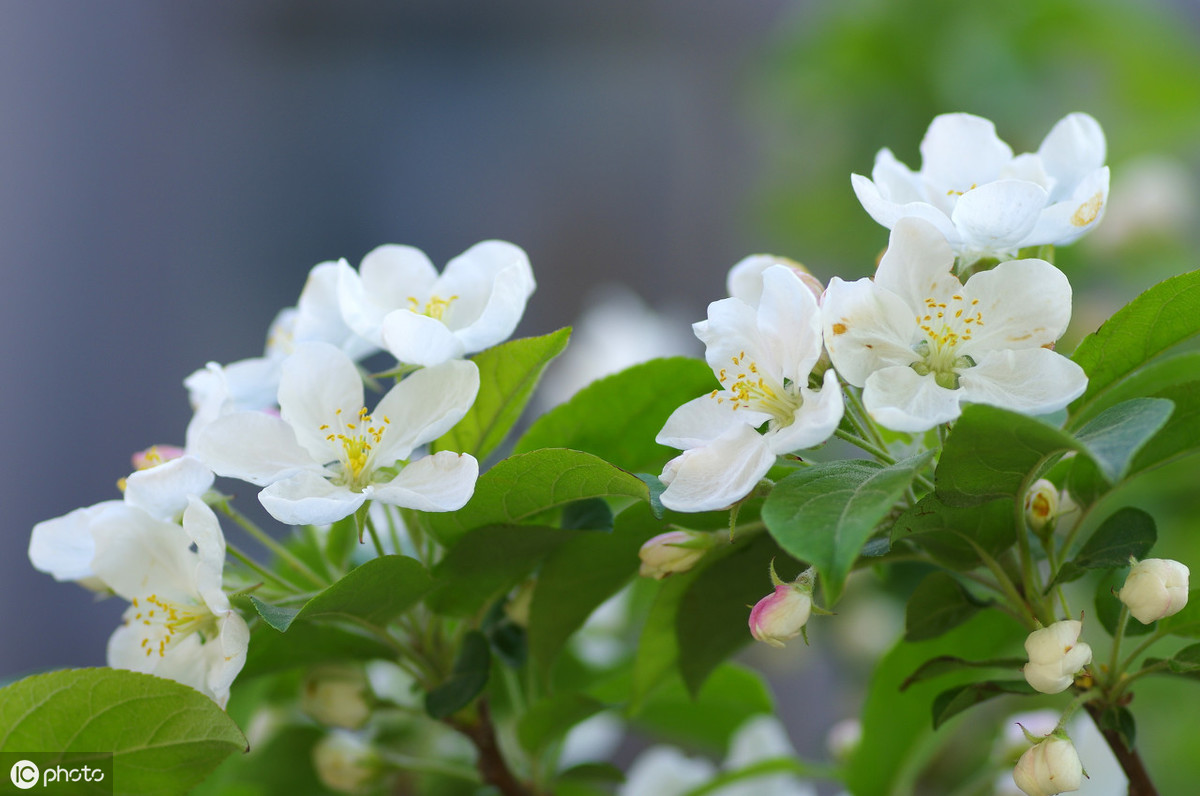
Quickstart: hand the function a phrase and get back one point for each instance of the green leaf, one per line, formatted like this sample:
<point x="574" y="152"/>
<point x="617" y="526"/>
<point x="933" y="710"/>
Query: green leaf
<point x="657" y="651"/>
<point x="508" y="374"/>
<point x="549" y="719"/>
<point x="938" y="604"/>
<point x="1181" y="434"/>
<point x="955" y="700"/>
<point x="581" y="574"/>
<point x="1116" y="435"/>
<point x="377" y="591"/>
<point x="1119" y="719"/>
<point x="945" y="664"/>
<point x="1128" y="532"/>
<point x="1186" y="623"/>
<point x="618" y="417"/>
<point x="593" y="514"/>
<point x="1185" y="662"/>
<point x="824" y="514"/>
<point x="714" y="612"/>
<point x="1154" y="322"/>
<point x="990" y="452"/>
<point x="306" y="644"/>
<point x="341" y="541"/>
<point x="466" y="681"/>
<point x="164" y="737"/>
<point x="943" y="531"/>
<point x="488" y="561"/>
<point x="523" y="486"/>
<point x="1108" y="606"/>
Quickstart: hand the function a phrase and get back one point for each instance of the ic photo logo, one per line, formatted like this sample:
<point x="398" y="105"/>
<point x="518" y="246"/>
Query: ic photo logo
<point x="24" y="774"/>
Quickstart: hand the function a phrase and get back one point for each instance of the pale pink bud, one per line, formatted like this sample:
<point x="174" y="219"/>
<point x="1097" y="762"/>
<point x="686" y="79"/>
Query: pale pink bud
<point x="1052" y="766"/>
<point x="1155" y="588"/>
<point x="1041" y="504"/>
<point x="672" y="552"/>
<point x="156" y="455"/>
<point x="1055" y="655"/>
<point x="781" y="615"/>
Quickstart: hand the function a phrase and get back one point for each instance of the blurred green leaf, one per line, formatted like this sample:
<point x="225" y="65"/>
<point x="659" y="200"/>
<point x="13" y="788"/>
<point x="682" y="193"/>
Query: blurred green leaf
<point x="953" y="701"/>
<point x="306" y="644"/>
<point x="943" y="531"/>
<point x="488" y="561"/>
<point x="1115" y="435"/>
<point x="550" y="719"/>
<point x="938" y="604"/>
<point x="1186" y="623"/>
<point x="657" y="651"/>
<point x="946" y="664"/>
<point x="508" y="374"/>
<point x="466" y="681"/>
<point x="1128" y="532"/>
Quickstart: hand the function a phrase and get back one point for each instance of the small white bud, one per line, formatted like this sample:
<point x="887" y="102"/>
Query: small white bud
<point x="345" y="763"/>
<point x="1155" y="588"/>
<point x="1055" y="655"/>
<point x="1041" y="505"/>
<point x="672" y="552"/>
<point x="337" y="696"/>
<point x="1051" y="766"/>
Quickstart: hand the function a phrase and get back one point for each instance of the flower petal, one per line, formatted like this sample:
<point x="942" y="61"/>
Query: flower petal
<point x="1035" y="381"/>
<point x="995" y="217"/>
<point x="719" y="474"/>
<point x="319" y="383"/>
<point x="64" y="547"/>
<point x="202" y="528"/>
<point x="815" y="420"/>
<point x="1022" y="303"/>
<point x="1066" y="221"/>
<point x="790" y="322"/>
<point x="899" y="399"/>
<point x="701" y="420"/>
<point x="866" y="328"/>
<point x="163" y="490"/>
<point x="418" y="339"/>
<point x="895" y="181"/>
<point x="444" y="481"/>
<point x="309" y="499"/>
<point x="1074" y="148"/>
<point x="254" y="447"/>
<point x="423" y="407"/>
<point x="917" y="265"/>
<point x="137" y="555"/>
<point x="960" y="151"/>
<point x="731" y="333"/>
<point x="492" y="281"/>
<point x="887" y="213"/>
<point x="318" y="316"/>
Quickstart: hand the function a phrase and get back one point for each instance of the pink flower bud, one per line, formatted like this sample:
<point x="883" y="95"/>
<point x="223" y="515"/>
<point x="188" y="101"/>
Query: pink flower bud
<point x="781" y="615"/>
<point x="1052" y="766"/>
<point x="671" y="552"/>
<point x="1155" y="588"/>
<point x="156" y="455"/>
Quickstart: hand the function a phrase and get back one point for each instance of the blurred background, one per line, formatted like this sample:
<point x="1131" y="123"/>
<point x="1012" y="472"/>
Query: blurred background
<point x="170" y="172"/>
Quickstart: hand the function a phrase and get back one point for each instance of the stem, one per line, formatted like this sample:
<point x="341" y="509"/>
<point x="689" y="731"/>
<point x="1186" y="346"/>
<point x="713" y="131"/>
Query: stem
<point x="1130" y="760"/>
<point x="1115" y="658"/>
<point x="257" y="567"/>
<point x="428" y="766"/>
<point x="1006" y="585"/>
<point x="275" y="547"/>
<point x="1145" y="645"/>
<point x="370" y="523"/>
<point x="862" y="444"/>
<point x="1029" y="579"/>
<point x="491" y="763"/>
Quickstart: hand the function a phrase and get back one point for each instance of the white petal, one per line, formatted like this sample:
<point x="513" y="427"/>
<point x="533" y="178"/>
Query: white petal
<point x="1035" y="381"/>
<point x="360" y="312"/>
<point x="499" y="317"/>
<point x="163" y="490"/>
<point x="867" y="328"/>
<point x="64" y="547"/>
<point x="226" y="657"/>
<point x="318" y="315"/>
<point x="202" y="528"/>
<point x="701" y="420"/>
<point x="418" y="339"/>
<point x="1023" y="304"/>
<point x="1074" y="148"/>
<point x="960" y="150"/>
<point x="444" y="481"/>
<point x="732" y="332"/>
<point x="790" y="322"/>
<point x="308" y="499"/>
<point x="137" y="555"/>
<point x="254" y="447"/>
<point x="392" y="274"/>
<point x="744" y="280"/>
<point x="718" y="474"/>
<point x="997" y="216"/>
<point x="899" y="399"/>
<point x="887" y="213"/>
<point x="917" y="264"/>
<point x="488" y="260"/>
<point x="423" y="407"/>
<point x="895" y="181"/>
<point x="125" y="651"/>
<point x="1064" y="222"/>
<point x="318" y="382"/>
<point x="816" y="420"/>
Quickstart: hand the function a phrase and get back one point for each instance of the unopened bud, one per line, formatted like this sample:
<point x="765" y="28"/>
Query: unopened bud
<point x="345" y="763"/>
<point x="783" y="613"/>
<point x="337" y="696"/>
<point x="1041" y="506"/>
<point x="1155" y="588"/>
<point x="1055" y="655"/>
<point x="1051" y="766"/>
<point x="672" y="552"/>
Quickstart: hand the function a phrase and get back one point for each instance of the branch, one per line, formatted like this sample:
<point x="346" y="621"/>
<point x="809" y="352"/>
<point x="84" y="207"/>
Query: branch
<point x="1130" y="760"/>
<point x="490" y="762"/>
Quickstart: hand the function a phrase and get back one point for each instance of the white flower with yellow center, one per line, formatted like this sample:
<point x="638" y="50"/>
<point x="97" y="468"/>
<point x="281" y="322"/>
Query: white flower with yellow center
<point x="398" y="300"/>
<point x="179" y="624"/>
<point x="920" y="343"/>
<point x="325" y="454"/>
<point x="985" y="201"/>
<point x="763" y="354"/>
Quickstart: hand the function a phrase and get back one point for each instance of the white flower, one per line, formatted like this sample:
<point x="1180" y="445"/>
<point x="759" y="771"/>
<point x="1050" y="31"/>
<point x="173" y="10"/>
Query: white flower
<point x="673" y="552"/>
<point x="763" y="355"/>
<point x="1155" y="588"/>
<point x="325" y="455"/>
<point x="1051" y="766"/>
<point x="179" y="624"/>
<point x="398" y="300"/>
<point x="1055" y="655"/>
<point x="665" y="771"/>
<point x="920" y="343"/>
<point x="987" y="202"/>
<point x="337" y="695"/>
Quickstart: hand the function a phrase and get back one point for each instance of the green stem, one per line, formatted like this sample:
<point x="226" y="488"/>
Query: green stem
<point x="879" y="453"/>
<point x="1029" y="579"/>
<point x="374" y="535"/>
<point x="258" y="568"/>
<point x="275" y="547"/>
<point x="1145" y="645"/>
<point x="427" y="765"/>
<point x="1019" y="605"/>
<point x="1114" y="657"/>
<point x="861" y="418"/>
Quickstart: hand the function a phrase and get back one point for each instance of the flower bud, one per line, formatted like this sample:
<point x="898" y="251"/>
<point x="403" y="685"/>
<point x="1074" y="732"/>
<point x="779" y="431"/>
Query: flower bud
<point x="345" y="763"/>
<point x="1041" y="505"/>
<point x="1051" y="766"/>
<point x="337" y="696"/>
<point x="782" y="614"/>
<point x="1155" y="588"/>
<point x="1055" y="655"/>
<point x="672" y="552"/>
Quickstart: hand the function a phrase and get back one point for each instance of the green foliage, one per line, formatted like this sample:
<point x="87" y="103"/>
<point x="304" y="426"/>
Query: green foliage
<point x="508" y="374"/>
<point x="488" y="561"/>
<point x="1128" y="532"/>
<point x="306" y="644"/>
<point x="950" y="534"/>
<point x="551" y="718"/>
<point x="657" y="653"/>
<point x="824" y="514"/>
<point x="953" y="701"/>
<point x="1186" y="623"/>
<point x="617" y="417"/>
<point x="946" y="664"/>
<point x="938" y="604"/>
<point x="467" y="680"/>
<point x="164" y="737"/>
<point x="523" y="486"/>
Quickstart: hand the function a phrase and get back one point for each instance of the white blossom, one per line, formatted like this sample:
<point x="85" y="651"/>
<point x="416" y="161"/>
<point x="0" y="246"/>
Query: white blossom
<point x="1055" y="655"/>
<point x="1155" y="588"/>
<point x="1049" y="767"/>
